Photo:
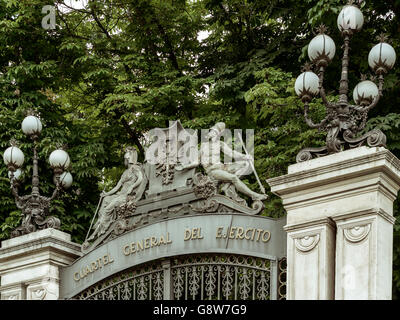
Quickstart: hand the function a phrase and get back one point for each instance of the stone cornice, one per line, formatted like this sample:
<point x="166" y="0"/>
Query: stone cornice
<point x="308" y="224"/>
<point x="40" y="245"/>
<point x="382" y="160"/>
<point x="364" y="213"/>
<point x="17" y="285"/>
<point x="292" y="203"/>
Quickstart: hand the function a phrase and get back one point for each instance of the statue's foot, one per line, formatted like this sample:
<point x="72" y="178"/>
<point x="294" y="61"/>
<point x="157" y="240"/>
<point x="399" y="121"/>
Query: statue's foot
<point x="260" y="197"/>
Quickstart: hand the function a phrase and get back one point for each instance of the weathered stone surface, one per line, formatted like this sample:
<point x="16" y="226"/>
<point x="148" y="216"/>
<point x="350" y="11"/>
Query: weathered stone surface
<point x="29" y="264"/>
<point x="311" y="251"/>
<point x="168" y="186"/>
<point x="191" y="234"/>
<point x="355" y="189"/>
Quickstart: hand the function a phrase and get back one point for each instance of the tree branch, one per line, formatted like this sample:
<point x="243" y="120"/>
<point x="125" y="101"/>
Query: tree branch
<point x="132" y="133"/>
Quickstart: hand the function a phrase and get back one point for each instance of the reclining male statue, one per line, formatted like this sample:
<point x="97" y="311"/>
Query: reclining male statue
<point x="225" y="172"/>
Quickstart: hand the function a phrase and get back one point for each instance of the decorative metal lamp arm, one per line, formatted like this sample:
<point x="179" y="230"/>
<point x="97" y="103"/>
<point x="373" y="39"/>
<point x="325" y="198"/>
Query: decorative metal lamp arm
<point x="56" y="190"/>
<point x="14" y="189"/>
<point x="377" y="98"/>
<point x="374" y="101"/>
<point x="309" y="122"/>
<point x="321" y="87"/>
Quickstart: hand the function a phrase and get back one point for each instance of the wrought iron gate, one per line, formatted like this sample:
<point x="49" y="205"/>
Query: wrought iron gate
<point x="192" y="277"/>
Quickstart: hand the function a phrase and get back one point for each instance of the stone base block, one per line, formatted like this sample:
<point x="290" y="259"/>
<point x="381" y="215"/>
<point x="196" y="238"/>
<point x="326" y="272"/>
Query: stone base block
<point x="29" y="264"/>
<point x="355" y="189"/>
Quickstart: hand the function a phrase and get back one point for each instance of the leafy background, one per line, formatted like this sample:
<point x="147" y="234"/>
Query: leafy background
<point x="114" y="69"/>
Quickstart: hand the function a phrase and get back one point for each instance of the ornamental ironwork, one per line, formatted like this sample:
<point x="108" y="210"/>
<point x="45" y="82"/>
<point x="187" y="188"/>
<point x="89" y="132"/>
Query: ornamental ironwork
<point x="282" y="279"/>
<point x="35" y="207"/>
<point x="195" y="277"/>
<point x="344" y="121"/>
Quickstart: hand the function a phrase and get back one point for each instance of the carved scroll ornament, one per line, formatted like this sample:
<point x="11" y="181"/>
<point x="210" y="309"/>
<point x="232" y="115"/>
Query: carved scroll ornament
<point x="357" y="233"/>
<point x="306" y="243"/>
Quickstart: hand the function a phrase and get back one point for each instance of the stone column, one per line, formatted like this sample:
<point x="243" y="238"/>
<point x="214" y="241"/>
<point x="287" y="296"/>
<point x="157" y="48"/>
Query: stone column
<point x="340" y="224"/>
<point x="30" y="264"/>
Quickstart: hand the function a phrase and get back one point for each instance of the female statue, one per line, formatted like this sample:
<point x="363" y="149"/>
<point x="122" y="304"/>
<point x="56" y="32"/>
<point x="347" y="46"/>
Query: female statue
<point x="131" y="184"/>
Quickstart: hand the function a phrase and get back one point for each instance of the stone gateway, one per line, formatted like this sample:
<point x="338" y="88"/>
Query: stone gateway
<point x="189" y="236"/>
<point x="177" y="233"/>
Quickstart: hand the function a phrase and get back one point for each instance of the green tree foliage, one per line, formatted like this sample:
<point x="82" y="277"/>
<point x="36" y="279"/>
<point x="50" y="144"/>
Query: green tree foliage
<point x="114" y="69"/>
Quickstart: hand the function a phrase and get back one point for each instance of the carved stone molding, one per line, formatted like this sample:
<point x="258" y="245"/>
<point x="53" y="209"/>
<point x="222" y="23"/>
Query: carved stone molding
<point x="39" y="294"/>
<point x="203" y="187"/>
<point x="357" y="233"/>
<point x="306" y="243"/>
<point x="220" y="203"/>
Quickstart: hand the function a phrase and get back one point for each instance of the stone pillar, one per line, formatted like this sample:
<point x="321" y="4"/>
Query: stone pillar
<point x="364" y="255"/>
<point x="30" y="264"/>
<point x="310" y="260"/>
<point x="340" y="224"/>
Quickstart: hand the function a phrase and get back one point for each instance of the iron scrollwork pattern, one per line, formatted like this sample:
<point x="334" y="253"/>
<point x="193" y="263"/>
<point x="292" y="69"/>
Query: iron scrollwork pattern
<point x="282" y="276"/>
<point x="194" y="277"/>
<point x="143" y="283"/>
<point x="221" y="277"/>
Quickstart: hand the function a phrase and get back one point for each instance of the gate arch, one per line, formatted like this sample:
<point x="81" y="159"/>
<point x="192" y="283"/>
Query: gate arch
<point x="193" y="277"/>
<point x="200" y="257"/>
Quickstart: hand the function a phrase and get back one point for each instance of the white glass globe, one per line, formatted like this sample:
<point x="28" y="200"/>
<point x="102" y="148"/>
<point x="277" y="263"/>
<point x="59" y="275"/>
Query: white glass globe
<point x="350" y="18"/>
<point x="66" y="180"/>
<point x="13" y="156"/>
<point x="31" y="125"/>
<point x="307" y="83"/>
<point x="382" y="55"/>
<point x="59" y="159"/>
<point x="17" y="174"/>
<point x="322" y="45"/>
<point x="366" y="90"/>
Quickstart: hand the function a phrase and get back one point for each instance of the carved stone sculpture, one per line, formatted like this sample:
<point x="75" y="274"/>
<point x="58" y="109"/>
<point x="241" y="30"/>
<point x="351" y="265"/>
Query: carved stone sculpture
<point x="129" y="189"/>
<point x="225" y="172"/>
<point x="163" y="167"/>
<point x="168" y="186"/>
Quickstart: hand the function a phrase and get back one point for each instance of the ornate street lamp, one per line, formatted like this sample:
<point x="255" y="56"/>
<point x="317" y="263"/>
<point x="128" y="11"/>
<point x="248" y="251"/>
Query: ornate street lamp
<point x="35" y="207"/>
<point x="344" y="121"/>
